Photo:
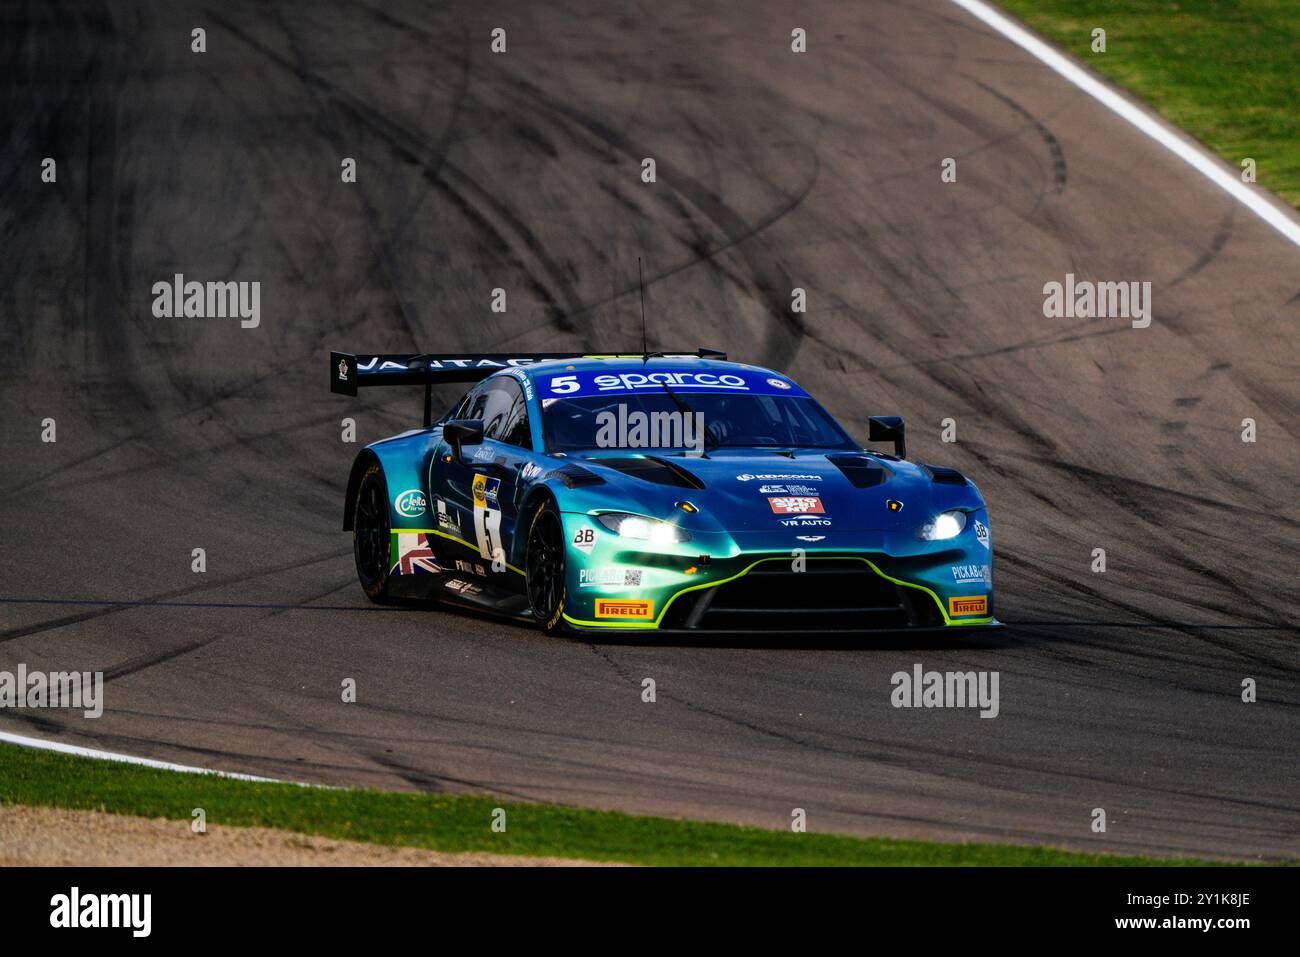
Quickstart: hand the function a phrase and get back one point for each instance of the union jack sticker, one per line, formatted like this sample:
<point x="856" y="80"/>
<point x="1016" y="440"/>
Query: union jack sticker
<point x="414" y="554"/>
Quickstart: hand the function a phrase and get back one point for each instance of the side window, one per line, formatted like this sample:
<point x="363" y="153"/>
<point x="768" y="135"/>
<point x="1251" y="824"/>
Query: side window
<point x="505" y="413"/>
<point x="475" y="404"/>
<point x="517" y="432"/>
<point x="458" y="408"/>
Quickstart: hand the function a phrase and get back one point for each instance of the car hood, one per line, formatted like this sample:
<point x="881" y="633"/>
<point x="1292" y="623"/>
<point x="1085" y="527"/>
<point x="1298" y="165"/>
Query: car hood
<point x="760" y="491"/>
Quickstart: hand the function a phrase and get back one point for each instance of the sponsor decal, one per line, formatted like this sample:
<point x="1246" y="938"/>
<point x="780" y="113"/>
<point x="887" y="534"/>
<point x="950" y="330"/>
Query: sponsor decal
<point x="530" y="471"/>
<point x="982" y="533"/>
<point x="796" y="505"/>
<point x="479" y="486"/>
<point x="410" y="503"/>
<point x="414" y="555"/>
<point x="773" y="477"/>
<point x="810" y="538"/>
<point x="806" y="521"/>
<point x="584" y="540"/>
<point x="625" y="608"/>
<point x="609" y="577"/>
<point x="471" y="568"/>
<point x="679" y="380"/>
<point x="463" y="587"/>
<point x="487" y="515"/>
<point x="482" y="454"/>
<point x="972" y="605"/>
<point x="446" y="520"/>
<point x="894" y="505"/>
<point x="372" y="364"/>
<point x="972" y="573"/>
<point x="525" y="382"/>
<point x="787" y="490"/>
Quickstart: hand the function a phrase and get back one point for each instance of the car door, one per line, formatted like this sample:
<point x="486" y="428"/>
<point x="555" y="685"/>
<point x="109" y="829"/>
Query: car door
<point x="475" y="498"/>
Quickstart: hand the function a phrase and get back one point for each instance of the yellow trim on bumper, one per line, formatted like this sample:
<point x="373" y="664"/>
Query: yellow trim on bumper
<point x="947" y="619"/>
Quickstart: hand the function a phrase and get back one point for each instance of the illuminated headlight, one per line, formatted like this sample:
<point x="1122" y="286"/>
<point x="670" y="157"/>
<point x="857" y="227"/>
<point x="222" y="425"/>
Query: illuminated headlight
<point x="626" y="525"/>
<point x="944" y="525"/>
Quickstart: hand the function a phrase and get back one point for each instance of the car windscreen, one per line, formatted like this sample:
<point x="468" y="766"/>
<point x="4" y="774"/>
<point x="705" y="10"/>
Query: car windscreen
<point x="659" y="419"/>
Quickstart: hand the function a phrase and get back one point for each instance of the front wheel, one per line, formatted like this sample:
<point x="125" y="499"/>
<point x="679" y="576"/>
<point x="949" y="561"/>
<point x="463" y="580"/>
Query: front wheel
<point x="545" y="568"/>
<point x="371" y="538"/>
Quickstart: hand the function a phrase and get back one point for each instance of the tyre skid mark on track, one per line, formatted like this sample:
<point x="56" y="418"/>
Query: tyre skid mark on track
<point x="38" y="627"/>
<point x="1060" y="173"/>
<point x="513" y="234"/>
<point x="1217" y="243"/>
<point x="433" y="782"/>
<point x="769" y="277"/>
<point x="894" y="754"/>
<point x="150" y="659"/>
<point x="921" y="758"/>
<point x="1248" y="653"/>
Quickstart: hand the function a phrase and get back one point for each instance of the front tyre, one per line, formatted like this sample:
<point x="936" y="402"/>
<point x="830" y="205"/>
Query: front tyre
<point x="371" y="538"/>
<point x="544" y="567"/>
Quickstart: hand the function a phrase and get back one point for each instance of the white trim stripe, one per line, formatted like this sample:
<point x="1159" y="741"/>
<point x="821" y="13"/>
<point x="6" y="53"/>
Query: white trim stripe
<point x="43" y="745"/>
<point x="1256" y="200"/>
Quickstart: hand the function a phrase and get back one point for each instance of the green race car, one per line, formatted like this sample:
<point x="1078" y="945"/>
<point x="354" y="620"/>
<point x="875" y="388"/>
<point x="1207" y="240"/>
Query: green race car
<point x="657" y="493"/>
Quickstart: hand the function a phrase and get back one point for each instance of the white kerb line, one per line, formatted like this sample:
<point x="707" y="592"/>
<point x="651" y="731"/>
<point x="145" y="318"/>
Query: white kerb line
<point x="1168" y="137"/>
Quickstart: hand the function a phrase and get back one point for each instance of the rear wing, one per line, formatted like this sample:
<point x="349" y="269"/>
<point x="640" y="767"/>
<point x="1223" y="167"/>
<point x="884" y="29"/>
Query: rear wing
<point x="350" y="372"/>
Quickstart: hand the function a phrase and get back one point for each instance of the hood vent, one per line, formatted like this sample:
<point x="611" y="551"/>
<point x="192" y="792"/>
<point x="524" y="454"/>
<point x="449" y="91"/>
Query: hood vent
<point x="651" y="469"/>
<point x="944" y="476"/>
<point x="574" y="476"/>
<point x="862" y="471"/>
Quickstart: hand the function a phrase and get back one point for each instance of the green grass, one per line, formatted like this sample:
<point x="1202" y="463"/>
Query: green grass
<point x="447" y="823"/>
<point x="1226" y="71"/>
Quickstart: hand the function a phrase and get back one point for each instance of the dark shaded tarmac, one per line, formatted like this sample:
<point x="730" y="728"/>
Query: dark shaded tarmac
<point x="522" y="171"/>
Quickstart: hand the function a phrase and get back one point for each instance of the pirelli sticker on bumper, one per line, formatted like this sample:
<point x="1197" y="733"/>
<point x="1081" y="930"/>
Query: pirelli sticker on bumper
<point x="619" y="608"/>
<point x="972" y="605"/>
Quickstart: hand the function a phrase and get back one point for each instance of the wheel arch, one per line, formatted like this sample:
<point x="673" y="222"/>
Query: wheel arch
<point x="535" y="498"/>
<point x="365" y="458"/>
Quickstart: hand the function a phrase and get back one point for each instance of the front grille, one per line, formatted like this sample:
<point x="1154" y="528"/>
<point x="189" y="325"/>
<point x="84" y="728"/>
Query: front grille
<point x="829" y="595"/>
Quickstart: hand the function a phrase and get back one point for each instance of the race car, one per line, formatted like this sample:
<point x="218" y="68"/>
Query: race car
<point x="657" y="493"/>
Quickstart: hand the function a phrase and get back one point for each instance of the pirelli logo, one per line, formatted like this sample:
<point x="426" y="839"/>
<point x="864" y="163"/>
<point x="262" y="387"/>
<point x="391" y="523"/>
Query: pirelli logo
<point x="973" y="605"/>
<point x="614" y="608"/>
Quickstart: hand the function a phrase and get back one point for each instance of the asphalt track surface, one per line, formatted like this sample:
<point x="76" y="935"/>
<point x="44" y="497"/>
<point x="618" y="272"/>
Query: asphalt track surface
<point x="1119" y="690"/>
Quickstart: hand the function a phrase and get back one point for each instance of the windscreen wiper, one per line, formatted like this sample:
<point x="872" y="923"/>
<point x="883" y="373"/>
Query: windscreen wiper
<point x="685" y="409"/>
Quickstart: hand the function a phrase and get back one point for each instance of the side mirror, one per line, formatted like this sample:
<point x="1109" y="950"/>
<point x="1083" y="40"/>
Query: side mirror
<point x="888" y="428"/>
<point x="460" y="432"/>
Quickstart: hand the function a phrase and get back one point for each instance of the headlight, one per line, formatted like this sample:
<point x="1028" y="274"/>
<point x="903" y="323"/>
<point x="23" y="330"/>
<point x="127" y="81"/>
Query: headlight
<point x="944" y="525"/>
<point x="627" y="525"/>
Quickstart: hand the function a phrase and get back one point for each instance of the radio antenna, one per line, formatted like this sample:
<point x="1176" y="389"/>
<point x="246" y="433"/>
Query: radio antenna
<point x="645" y="349"/>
